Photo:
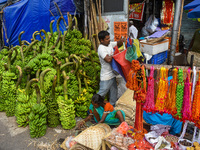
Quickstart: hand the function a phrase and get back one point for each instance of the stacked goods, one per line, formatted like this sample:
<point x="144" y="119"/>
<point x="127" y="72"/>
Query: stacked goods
<point x="64" y="69"/>
<point x="126" y="103"/>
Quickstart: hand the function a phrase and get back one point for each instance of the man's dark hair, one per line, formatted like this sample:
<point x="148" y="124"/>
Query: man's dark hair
<point x="97" y="99"/>
<point x="102" y="35"/>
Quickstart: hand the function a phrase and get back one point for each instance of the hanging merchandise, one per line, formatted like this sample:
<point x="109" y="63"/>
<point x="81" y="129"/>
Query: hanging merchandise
<point x="162" y="91"/>
<point x="186" y="109"/>
<point x="167" y="13"/>
<point x="137" y="82"/>
<point x="170" y="104"/>
<point x="179" y="94"/>
<point x="196" y="103"/>
<point x="149" y="105"/>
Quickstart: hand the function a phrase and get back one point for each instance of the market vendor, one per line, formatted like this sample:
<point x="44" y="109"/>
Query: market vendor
<point x="103" y="112"/>
<point x="194" y="44"/>
<point x="108" y="82"/>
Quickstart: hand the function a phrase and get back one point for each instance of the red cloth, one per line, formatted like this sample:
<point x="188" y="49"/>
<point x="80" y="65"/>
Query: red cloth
<point x="125" y="64"/>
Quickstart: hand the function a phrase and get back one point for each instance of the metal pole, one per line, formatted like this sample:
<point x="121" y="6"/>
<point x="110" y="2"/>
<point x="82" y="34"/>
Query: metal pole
<point x="175" y="30"/>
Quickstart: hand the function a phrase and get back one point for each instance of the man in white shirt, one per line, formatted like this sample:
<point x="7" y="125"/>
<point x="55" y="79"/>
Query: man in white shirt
<point x="133" y="32"/>
<point x="107" y="77"/>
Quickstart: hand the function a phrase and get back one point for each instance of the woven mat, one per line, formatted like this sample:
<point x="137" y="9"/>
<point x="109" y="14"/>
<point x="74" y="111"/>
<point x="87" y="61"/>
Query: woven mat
<point x="128" y="105"/>
<point x="92" y="136"/>
<point x="127" y="99"/>
<point x="130" y="113"/>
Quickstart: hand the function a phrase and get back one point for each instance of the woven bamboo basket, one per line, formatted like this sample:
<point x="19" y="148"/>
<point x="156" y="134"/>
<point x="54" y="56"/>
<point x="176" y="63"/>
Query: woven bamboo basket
<point x="92" y="137"/>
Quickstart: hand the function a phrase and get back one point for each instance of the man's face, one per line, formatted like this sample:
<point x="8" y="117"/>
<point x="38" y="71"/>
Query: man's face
<point x="106" y="40"/>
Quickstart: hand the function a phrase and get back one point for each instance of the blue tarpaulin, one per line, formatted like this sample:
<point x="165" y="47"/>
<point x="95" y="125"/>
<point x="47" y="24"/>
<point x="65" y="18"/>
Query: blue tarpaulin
<point x="3" y="1"/>
<point x="195" y="13"/>
<point x="61" y="26"/>
<point x="28" y="16"/>
<point x="192" y="5"/>
<point x="64" y="6"/>
<point x="31" y="16"/>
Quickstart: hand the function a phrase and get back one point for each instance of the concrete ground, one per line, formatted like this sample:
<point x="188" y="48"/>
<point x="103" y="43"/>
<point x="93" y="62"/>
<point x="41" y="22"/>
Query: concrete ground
<point x="13" y="137"/>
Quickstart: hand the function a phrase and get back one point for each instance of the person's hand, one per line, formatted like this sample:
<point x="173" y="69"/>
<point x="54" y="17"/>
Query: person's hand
<point x="81" y="124"/>
<point x="123" y="39"/>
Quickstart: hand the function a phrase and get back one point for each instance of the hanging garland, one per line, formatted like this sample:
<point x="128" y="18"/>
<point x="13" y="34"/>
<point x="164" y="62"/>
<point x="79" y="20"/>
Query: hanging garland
<point x="132" y="82"/>
<point x="186" y="109"/>
<point x="162" y="91"/>
<point x="179" y="94"/>
<point x="196" y="103"/>
<point x="170" y="104"/>
<point x="149" y="105"/>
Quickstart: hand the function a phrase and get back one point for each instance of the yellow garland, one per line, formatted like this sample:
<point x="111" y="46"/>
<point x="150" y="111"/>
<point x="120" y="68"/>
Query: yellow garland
<point x="162" y="91"/>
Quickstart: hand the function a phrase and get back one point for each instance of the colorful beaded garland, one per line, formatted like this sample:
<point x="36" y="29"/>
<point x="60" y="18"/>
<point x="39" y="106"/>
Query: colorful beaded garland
<point x="149" y="105"/>
<point x="170" y="104"/>
<point x="162" y="91"/>
<point x="186" y="108"/>
<point x="179" y="94"/>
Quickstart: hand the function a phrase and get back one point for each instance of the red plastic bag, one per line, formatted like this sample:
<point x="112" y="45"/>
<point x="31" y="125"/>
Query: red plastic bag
<point x="123" y="128"/>
<point x="125" y="64"/>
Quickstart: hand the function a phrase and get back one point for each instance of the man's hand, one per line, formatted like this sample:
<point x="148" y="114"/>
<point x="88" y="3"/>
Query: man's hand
<point x="120" y="42"/>
<point x="108" y="59"/>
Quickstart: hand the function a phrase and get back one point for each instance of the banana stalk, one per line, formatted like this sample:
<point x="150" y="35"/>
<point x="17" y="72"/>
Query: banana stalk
<point x="30" y="46"/>
<point x="76" y="23"/>
<point x="46" y="39"/>
<point x="38" y="93"/>
<point x="51" y="26"/>
<point x="35" y="34"/>
<point x="22" y="54"/>
<point x="38" y="74"/>
<point x="9" y="60"/>
<point x="20" y="76"/>
<point x="19" y="38"/>
<point x="65" y="85"/>
<point x="66" y="64"/>
<point x="25" y="42"/>
<point x="16" y="53"/>
<point x="53" y="87"/>
<point x="42" y="78"/>
<point x="34" y="80"/>
<point x="63" y="41"/>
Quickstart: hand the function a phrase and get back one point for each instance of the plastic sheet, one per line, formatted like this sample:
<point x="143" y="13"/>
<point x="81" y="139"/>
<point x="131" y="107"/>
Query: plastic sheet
<point x="25" y="15"/>
<point x="64" y="6"/>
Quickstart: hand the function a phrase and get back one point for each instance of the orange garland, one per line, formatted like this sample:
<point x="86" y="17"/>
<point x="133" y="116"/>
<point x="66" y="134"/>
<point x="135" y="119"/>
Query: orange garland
<point x="171" y="101"/>
<point x="196" y="103"/>
<point x="162" y="91"/>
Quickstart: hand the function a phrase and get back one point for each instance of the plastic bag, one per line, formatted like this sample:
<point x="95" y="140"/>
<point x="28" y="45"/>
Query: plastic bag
<point x="131" y="52"/>
<point x="163" y="144"/>
<point x="125" y="64"/>
<point x="116" y="66"/>
<point x="123" y="128"/>
<point x="69" y="143"/>
<point x="136" y="43"/>
<point x="151" y="24"/>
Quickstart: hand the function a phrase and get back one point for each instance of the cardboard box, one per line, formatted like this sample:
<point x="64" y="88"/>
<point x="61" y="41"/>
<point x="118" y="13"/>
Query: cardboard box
<point x="155" y="48"/>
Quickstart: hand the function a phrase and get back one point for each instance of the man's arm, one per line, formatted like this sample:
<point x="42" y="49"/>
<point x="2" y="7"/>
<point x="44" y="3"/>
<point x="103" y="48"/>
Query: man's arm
<point x="108" y="59"/>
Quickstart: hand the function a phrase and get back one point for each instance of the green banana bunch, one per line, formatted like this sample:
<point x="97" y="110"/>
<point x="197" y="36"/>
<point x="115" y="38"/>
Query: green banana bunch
<point x="38" y="121"/>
